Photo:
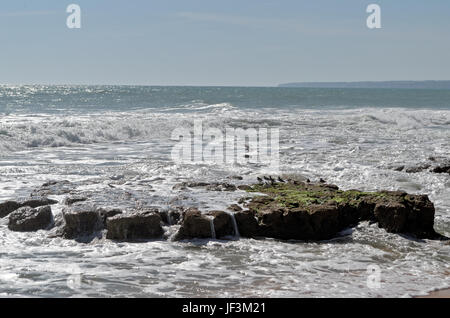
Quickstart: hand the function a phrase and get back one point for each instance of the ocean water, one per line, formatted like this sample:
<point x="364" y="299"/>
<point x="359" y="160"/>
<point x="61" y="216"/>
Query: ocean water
<point x="98" y="135"/>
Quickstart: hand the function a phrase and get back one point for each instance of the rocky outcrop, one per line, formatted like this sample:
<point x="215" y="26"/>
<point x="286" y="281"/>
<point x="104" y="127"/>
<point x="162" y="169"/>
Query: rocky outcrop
<point x="194" y="225"/>
<point x="287" y="207"/>
<point x="140" y="225"/>
<point x="434" y="165"/>
<point x="32" y="202"/>
<point x="81" y="221"/>
<point x="318" y="212"/>
<point x="27" y="219"/>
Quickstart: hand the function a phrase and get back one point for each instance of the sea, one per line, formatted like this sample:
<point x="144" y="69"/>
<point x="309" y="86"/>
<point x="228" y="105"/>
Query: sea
<point x="98" y="136"/>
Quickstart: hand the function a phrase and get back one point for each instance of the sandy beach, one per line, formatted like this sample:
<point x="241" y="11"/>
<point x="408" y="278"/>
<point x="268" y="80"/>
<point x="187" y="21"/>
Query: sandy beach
<point x="444" y="293"/>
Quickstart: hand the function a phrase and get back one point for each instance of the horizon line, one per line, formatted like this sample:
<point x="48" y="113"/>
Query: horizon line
<point x="221" y="85"/>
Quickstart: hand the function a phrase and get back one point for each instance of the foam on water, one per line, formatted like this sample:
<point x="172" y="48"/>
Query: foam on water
<point x="129" y="148"/>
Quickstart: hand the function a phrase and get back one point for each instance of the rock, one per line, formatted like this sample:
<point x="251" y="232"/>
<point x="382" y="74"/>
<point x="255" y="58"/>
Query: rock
<point x="329" y="186"/>
<point x="317" y="222"/>
<point x="391" y="216"/>
<point x="223" y="224"/>
<point x="27" y="219"/>
<point x="54" y="188"/>
<point x="58" y="227"/>
<point x="81" y="220"/>
<point x="138" y="225"/>
<point x="8" y="207"/>
<point x="185" y="185"/>
<point x="235" y="208"/>
<point x="247" y="224"/>
<point x="442" y="169"/>
<point x="194" y="225"/>
<point x="106" y="212"/>
<point x="411" y="214"/>
<point x="320" y="211"/>
<point x="435" y="165"/>
<point x="417" y="169"/>
<point x="74" y="199"/>
<point x="291" y="177"/>
<point x="244" y="200"/>
<point x="172" y="216"/>
<point x="33" y="202"/>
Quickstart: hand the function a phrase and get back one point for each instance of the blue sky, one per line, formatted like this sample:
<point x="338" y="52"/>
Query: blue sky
<point x="210" y="42"/>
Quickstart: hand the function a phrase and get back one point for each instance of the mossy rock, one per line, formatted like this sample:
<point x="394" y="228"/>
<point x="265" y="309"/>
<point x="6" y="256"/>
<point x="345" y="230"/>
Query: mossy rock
<point x="306" y="211"/>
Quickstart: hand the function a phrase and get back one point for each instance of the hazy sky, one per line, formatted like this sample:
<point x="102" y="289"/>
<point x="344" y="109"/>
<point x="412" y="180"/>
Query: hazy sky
<point x="227" y="42"/>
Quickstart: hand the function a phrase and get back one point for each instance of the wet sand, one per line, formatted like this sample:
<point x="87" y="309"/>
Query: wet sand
<point x="444" y="293"/>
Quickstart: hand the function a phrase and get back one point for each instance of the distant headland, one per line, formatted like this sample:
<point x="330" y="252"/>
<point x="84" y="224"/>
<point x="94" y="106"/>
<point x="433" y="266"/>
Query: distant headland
<point x="381" y="84"/>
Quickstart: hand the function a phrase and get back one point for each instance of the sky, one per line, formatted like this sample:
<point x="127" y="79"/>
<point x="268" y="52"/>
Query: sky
<point x="222" y="43"/>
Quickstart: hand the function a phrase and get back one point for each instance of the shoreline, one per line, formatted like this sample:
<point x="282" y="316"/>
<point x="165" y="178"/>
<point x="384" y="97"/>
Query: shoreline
<point x="442" y="293"/>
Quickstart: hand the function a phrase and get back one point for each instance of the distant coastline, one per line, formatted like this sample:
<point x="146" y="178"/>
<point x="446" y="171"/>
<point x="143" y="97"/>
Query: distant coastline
<point x="381" y="84"/>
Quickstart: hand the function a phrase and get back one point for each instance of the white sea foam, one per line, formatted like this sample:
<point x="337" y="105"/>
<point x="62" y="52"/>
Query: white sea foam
<point x="354" y="148"/>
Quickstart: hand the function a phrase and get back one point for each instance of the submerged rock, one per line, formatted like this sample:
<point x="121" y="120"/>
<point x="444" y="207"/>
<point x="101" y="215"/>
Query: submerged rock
<point x="74" y="199"/>
<point x="445" y="168"/>
<point x="27" y="219"/>
<point x="54" y="187"/>
<point x="141" y="225"/>
<point x="32" y="202"/>
<point x="435" y="165"/>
